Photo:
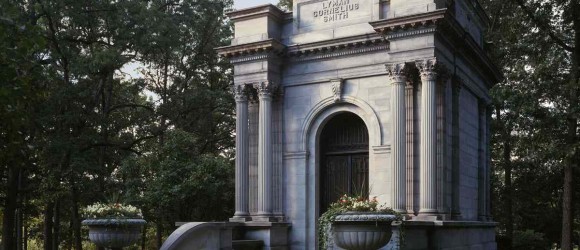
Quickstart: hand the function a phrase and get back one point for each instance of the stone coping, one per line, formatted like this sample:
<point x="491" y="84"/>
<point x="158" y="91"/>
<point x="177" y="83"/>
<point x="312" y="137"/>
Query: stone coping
<point x="258" y="224"/>
<point x="457" y="224"/>
<point x="409" y="223"/>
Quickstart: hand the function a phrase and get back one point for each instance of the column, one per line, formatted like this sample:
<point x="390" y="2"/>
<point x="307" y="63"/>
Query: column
<point x="242" y="155"/>
<point x="397" y="79"/>
<point x="428" y="141"/>
<point x="265" y="150"/>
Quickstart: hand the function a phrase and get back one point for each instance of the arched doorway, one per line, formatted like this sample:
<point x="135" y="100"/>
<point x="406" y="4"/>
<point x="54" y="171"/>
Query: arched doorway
<point x="344" y="159"/>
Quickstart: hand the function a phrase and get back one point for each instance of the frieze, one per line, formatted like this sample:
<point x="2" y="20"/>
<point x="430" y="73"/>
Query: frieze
<point x="324" y="12"/>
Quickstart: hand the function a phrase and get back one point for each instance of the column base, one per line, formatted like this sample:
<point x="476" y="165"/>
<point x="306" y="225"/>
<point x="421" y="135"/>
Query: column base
<point x="456" y="216"/>
<point x="241" y="219"/>
<point x="263" y="218"/>
<point x="428" y="215"/>
<point x="401" y="211"/>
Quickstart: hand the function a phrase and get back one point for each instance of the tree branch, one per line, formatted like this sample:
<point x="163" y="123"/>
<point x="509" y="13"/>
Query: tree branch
<point x="544" y="26"/>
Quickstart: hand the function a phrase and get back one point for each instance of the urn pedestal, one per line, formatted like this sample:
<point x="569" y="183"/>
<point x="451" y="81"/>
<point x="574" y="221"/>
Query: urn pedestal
<point x="114" y="233"/>
<point x="362" y="231"/>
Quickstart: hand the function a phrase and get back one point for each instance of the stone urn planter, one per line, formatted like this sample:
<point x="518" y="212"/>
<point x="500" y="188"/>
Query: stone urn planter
<point x="362" y="230"/>
<point x="114" y="233"/>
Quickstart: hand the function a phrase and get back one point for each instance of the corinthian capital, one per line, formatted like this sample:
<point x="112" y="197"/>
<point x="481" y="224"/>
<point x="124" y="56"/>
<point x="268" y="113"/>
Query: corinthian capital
<point x="240" y="93"/>
<point x="427" y="68"/>
<point x="265" y="89"/>
<point x="396" y="73"/>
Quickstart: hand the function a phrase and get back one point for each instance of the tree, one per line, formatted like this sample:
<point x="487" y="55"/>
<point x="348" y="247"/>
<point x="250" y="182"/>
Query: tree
<point x="537" y="49"/>
<point x="74" y="115"/>
<point x="21" y="92"/>
<point x="285" y="4"/>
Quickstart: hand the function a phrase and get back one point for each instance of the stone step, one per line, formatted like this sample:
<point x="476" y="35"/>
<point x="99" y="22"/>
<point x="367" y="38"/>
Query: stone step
<point x="247" y="244"/>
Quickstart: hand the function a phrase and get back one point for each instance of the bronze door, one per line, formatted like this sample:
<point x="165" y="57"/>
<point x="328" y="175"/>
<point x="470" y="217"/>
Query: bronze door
<point x="344" y="166"/>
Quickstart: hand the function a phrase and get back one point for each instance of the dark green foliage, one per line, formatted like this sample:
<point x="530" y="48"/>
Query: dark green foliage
<point x="285" y="4"/>
<point x="534" y="134"/>
<point x="90" y="86"/>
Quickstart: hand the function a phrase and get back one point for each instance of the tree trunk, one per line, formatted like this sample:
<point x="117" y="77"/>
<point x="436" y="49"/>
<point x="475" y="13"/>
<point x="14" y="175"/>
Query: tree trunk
<point x="8" y="237"/>
<point x="56" y="225"/>
<point x="78" y="243"/>
<point x="572" y="137"/>
<point x="507" y="165"/>
<point x="48" y="213"/>
<point x="159" y="234"/>
<point x="144" y="237"/>
<point x="508" y="192"/>
<point x="25" y="237"/>
<point x="567" y="214"/>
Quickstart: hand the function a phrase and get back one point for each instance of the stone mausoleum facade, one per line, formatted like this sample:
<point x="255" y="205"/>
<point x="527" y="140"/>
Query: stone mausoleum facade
<point x="373" y="97"/>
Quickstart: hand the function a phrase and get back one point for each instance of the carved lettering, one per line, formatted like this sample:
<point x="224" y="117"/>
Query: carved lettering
<point x="335" y="10"/>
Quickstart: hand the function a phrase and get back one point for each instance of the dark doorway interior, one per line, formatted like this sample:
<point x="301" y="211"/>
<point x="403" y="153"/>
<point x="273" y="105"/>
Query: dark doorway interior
<point x="344" y="165"/>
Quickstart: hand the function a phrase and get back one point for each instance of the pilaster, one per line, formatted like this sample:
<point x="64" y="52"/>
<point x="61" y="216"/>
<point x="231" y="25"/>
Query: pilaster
<point x="455" y="169"/>
<point x="483" y="184"/>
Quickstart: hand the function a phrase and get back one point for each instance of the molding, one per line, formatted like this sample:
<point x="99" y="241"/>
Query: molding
<point x="253" y="57"/>
<point x="452" y="32"/>
<point x="411" y="21"/>
<point x="443" y="23"/>
<point x="317" y="112"/>
<point x="334" y="44"/>
<point x="408" y="33"/>
<point x="270" y="45"/>
<point x="296" y="155"/>
<point x="268" y="10"/>
<point x="383" y="149"/>
<point x="337" y="52"/>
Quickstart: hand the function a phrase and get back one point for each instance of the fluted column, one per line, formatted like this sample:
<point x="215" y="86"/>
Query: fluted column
<point x="399" y="143"/>
<point x="242" y="155"/>
<point x="428" y="141"/>
<point x="265" y="149"/>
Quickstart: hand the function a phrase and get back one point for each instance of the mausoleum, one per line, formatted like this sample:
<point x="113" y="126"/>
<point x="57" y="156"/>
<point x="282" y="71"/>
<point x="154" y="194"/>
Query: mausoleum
<point x="380" y="98"/>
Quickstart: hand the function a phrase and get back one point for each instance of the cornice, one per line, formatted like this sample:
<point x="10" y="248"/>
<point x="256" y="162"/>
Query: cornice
<point x="269" y="10"/>
<point x="459" y="38"/>
<point x="386" y="26"/>
<point x="337" y="47"/>
<point x="444" y="23"/>
<point x="248" y="49"/>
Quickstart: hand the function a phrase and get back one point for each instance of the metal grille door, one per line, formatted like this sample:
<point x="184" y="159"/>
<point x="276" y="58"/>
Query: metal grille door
<point x="344" y="166"/>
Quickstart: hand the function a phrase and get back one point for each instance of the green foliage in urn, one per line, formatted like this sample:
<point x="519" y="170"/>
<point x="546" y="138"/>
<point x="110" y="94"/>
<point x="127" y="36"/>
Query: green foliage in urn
<point x="111" y="210"/>
<point x="349" y="204"/>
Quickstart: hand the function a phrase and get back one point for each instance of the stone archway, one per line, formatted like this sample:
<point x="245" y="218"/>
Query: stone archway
<point x="344" y="159"/>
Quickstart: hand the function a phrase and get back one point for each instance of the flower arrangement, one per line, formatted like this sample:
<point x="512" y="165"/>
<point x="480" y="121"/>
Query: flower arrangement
<point x="348" y="204"/>
<point x="111" y="211"/>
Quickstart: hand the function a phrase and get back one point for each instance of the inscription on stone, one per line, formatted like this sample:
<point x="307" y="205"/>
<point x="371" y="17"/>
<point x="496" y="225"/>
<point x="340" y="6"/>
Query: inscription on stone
<point x="334" y="10"/>
<point x="325" y="13"/>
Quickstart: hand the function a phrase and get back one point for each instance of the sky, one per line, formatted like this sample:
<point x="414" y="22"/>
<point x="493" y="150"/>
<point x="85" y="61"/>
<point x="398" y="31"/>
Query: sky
<point x="240" y="4"/>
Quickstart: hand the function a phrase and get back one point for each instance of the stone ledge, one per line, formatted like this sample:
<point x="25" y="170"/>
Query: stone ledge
<point x="264" y="224"/>
<point x="459" y="224"/>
